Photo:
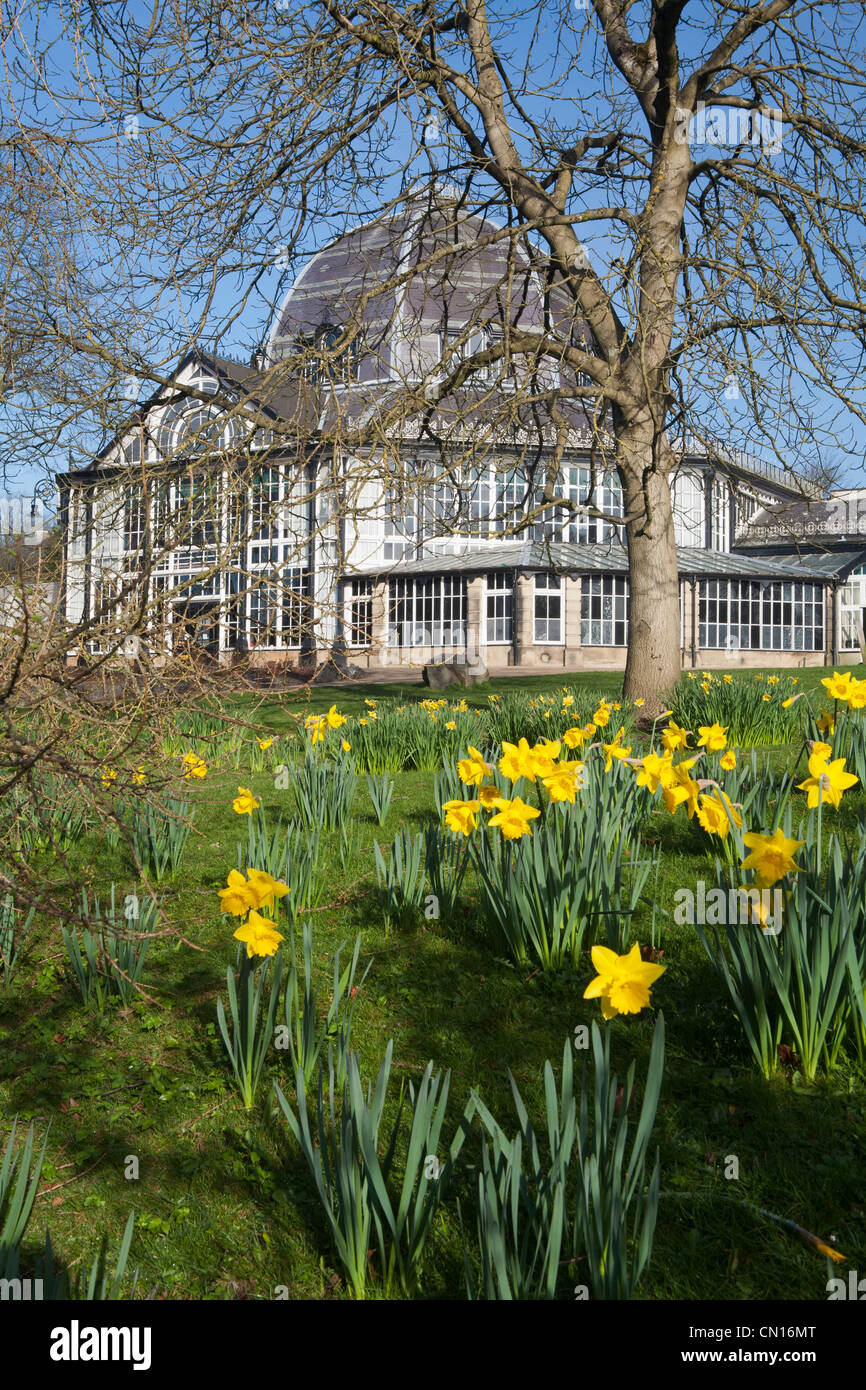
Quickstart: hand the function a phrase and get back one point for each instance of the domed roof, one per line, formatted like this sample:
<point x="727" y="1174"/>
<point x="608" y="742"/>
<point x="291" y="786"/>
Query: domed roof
<point x="424" y="269"/>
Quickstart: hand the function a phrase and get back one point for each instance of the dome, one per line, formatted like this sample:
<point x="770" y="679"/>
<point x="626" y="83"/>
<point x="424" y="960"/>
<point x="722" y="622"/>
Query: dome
<point x="413" y="279"/>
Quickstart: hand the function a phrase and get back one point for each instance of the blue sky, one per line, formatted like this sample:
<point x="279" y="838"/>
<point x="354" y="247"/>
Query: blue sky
<point x="239" y="322"/>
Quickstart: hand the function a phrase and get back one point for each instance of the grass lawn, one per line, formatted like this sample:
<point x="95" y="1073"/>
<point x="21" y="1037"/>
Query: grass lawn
<point x="225" y="1207"/>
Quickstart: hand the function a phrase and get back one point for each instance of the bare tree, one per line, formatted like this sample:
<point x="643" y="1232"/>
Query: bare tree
<point x="683" y="181"/>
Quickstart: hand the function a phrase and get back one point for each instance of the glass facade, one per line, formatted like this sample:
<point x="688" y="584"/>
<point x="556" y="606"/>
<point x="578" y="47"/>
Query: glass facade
<point x="735" y="614"/>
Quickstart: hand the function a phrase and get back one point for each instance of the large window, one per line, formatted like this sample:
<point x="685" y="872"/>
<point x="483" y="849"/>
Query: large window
<point x="500" y="607"/>
<point x="134" y="517"/>
<point x="852" y="610"/>
<point x="401" y="523"/>
<point x="319" y="362"/>
<point x="580" y="529"/>
<point x="197" y="509"/>
<point x="453" y="351"/>
<point x="737" y="614"/>
<point x="359" y="612"/>
<point x="688" y="506"/>
<point x="427" y="612"/>
<point x="720" y="515"/>
<point x="604" y="610"/>
<point x="548" y="609"/>
<point x="279" y="603"/>
<point x="264" y="501"/>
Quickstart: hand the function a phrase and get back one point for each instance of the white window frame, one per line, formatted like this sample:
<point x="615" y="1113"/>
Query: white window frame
<point x="548" y="590"/>
<point x="604" y="605"/>
<point x="499" y="608"/>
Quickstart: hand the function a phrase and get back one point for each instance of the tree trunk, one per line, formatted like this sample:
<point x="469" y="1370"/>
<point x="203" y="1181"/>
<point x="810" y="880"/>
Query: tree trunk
<point x="653" y="663"/>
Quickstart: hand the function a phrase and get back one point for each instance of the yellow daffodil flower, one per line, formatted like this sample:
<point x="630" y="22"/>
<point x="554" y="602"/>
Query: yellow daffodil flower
<point x="490" y="797"/>
<point x="826" y="781"/>
<point x="513" y="818"/>
<point x="268" y="890"/>
<point x="460" y="815"/>
<point x="563" y="781"/>
<point x="623" y="982"/>
<point x="712" y="737"/>
<point x="245" y="803"/>
<point x="674" y="737"/>
<point x="260" y="935"/>
<point x="239" y="897"/>
<point x="771" y="856"/>
<point x="474" y="769"/>
<point x="517" y="761"/>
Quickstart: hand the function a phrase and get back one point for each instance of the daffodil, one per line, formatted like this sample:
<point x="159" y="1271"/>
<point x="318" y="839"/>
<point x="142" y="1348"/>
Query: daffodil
<point x="678" y="786"/>
<point x="562" y="781"/>
<point x="450" y="725"/>
<point x="513" y="818"/>
<point x="346" y="746"/>
<point x="474" y="769"/>
<point x="653" y="767"/>
<point x="265" y="743"/>
<point x="826" y="724"/>
<point x="316" y="725"/>
<point x="490" y="797"/>
<point x="826" y="781"/>
<point x="613" y="750"/>
<point x="517" y="761"/>
<point x="574" y="738"/>
<point x="838" y="685"/>
<point x="728" y="761"/>
<point x="544" y="755"/>
<point x="712" y="737"/>
<point x="460" y="815"/>
<point x="333" y="719"/>
<point x="260" y="935"/>
<point x="601" y="717"/>
<point x="674" y="737"/>
<point x="857" y="697"/>
<point x="823" y="750"/>
<point x="239" y="897"/>
<point x="623" y="982"/>
<point x="715" y="814"/>
<point x="195" y="766"/>
<point x="268" y="890"/>
<point x="245" y="803"/>
<point x="771" y="856"/>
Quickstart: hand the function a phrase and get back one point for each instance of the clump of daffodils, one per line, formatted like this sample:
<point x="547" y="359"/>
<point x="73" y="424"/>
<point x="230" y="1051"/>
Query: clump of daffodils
<point x="249" y="897"/>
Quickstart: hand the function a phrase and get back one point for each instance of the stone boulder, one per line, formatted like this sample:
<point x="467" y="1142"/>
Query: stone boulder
<point x="447" y="673"/>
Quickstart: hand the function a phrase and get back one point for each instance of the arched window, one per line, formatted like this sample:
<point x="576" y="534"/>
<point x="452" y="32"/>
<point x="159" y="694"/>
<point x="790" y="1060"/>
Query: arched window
<point x="193" y="427"/>
<point x="688" y="506"/>
<point x="318" y="364"/>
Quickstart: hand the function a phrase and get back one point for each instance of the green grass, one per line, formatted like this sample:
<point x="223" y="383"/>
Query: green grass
<point x="224" y="1205"/>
